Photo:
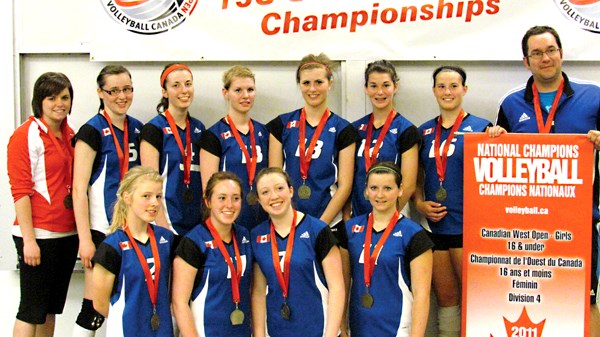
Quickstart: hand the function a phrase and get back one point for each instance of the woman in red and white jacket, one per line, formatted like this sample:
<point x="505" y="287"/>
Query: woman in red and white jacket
<point x="40" y="167"/>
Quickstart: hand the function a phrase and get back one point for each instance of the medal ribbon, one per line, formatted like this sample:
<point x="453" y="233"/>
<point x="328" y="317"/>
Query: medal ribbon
<point x="123" y="155"/>
<point x="442" y="159"/>
<point x="304" y="158"/>
<point x="236" y="274"/>
<point x="545" y="128"/>
<point x="369" y="259"/>
<point x="152" y="284"/>
<point x="66" y="156"/>
<point x="186" y="154"/>
<point x="283" y="277"/>
<point x="250" y="161"/>
<point x="370" y="158"/>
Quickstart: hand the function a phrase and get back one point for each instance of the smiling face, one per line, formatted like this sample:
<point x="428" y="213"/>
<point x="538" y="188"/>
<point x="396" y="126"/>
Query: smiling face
<point x="225" y="203"/>
<point x="449" y="90"/>
<point x="381" y="89"/>
<point x="546" y="70"/>
<point x="383" y="192"/>
<point x="180" y="89"/>
<point x="144" y="201"/>
<point x="274" y="194"/>
<point x="55" y="108"/>
<point x="241" y="94"/>
<point x="314" y="86"/>
<point x="116" y="104"/>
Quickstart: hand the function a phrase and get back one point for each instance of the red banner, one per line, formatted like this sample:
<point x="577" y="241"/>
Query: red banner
<point x="527" y="235"/>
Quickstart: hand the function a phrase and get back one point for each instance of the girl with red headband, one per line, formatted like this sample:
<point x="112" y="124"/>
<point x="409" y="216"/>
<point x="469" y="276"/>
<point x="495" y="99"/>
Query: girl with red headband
<point x="170" y="144"/>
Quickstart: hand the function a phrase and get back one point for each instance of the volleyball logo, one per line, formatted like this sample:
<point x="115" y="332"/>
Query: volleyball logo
<point x="583" y="13"/>
<point x="149" y="16"/>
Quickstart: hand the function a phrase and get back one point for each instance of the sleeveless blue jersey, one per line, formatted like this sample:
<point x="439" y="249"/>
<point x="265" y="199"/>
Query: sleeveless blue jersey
<point x="219" y="141"/>
<point x="106" y="175"/>
<point x="181" y="215"/>
<point x="211" y="300"/>
<point x="391" y="312"/>
<point x="401" y="137"/>
<point x="452" y="223"/>
<point x="307" y="294"/>
<point x="130" y="306"/>
<point x="323" y="171"/>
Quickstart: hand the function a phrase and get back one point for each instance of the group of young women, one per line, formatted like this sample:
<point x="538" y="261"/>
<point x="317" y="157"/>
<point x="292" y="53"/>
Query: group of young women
<point x="264" y="226"/>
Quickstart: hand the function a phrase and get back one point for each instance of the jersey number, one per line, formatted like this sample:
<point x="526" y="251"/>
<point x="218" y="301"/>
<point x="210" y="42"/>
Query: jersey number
<point x="450" y="148"/>
<point x="316" y="152"/>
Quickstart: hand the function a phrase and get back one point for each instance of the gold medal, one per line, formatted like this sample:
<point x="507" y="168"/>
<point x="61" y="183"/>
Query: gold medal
<point x="366" y="300"/>
<point x="286" y="313"/>
<point x="188" y="196"/>
<point x="441" y="194"/>
<point x="304" y="192"/>
<point x="236" y="317"/>
<point x="68" y="201"/>
<point x="154" y="322"/>
<point x="251" y="198"/>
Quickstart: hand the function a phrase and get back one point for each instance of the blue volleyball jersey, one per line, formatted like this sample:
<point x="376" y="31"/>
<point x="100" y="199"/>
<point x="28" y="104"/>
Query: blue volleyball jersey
<point x="219" y="141"/>
<point x="181" y="215"/>
<point x="391" y="312"/>
<point x="401" y="137"/>
<point x="106" y="169"/>
<point x="130" y="306"/>
<point x="452" y="223"/>
<point x="323" y="171"/>
<point x="211" y="300"/>
<point x="307" y="293"/>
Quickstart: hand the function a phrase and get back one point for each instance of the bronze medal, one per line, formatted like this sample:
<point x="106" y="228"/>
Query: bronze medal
<point x="304" y="192"/>
<point x="154" y="322"/>
<point x="441" y="194"/>
<point x="188" y="196"/>
<point x="366" y="300"/>
<point x="68" y="201"/>
<point x="251" y="198"/>
<point x="237" y="317"/>
<point x="286" y="313"/>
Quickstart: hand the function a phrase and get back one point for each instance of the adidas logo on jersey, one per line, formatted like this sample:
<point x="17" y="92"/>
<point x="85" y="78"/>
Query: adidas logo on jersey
<point x="259" y="134"/>
<point x="167" y="130"/>
<point x="263" y="238"/>
<point x="468" y="129"/>
<point x="244" y="240"/>
<point x="332" y="129"/>
<point x="398" y="234"/>
<point x="394" y="131"/>
<point x="357" y="229"/>
<point x="196" y="130"/>
<point x="106" y="132"/>
<point x="136" y="130"/>
<point x="162" y="240"/>
<point x="524" y="117"/>
<point x="427" y="131"/>
<point x="305" y="235"/>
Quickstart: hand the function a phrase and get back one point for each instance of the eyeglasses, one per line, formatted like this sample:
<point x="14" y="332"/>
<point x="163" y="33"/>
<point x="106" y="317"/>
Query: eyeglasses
<point x="537" y="55"/>
<point x="116" y="92"/>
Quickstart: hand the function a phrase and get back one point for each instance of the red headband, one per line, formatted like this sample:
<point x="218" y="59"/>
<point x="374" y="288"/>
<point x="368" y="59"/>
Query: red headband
<point x="169" y="70"/>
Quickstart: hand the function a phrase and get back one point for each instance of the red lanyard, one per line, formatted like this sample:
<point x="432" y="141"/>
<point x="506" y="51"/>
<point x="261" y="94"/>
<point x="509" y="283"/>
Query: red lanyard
<point x="304" y="157"/>
<point x="283" y="277"/>
<point x="66" y="156"/>
<point x="250" y="161"/>
<point x="371" y="158"/>
<point x="369" y="260"/>
<point x="151" y="283"/>
<point x="442" y="159"/>
<point x="123" y="154"/>
<point x="236" y="274"/>
<point x="186" y="154"/>
<point x="545" y="128"/>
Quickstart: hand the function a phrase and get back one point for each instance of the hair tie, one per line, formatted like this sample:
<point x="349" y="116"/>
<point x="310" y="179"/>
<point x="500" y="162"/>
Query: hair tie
<point x="170" y="69"/>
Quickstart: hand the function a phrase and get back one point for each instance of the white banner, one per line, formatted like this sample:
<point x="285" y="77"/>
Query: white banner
<point x="191" y="30"/>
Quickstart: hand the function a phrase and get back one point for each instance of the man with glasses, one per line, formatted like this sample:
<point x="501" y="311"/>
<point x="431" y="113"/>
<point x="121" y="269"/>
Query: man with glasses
<point x="551" y="103"/>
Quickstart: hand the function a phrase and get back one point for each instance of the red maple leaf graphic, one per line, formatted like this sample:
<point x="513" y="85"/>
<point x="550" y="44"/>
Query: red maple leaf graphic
<point x="524" y="326"/>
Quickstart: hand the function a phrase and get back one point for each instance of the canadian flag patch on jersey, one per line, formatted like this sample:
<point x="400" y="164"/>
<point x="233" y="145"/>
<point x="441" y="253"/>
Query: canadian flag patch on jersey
<point x="427" y="131"/>
<point x="263" y="238"/>
<point x="357" y="229"/>
<point x="292" y="124"/>
<point x="362" y="127"/>
<point x="209" y="244"/>
<point x="125" y="245"/>
<point x="226" y="134"/>
<point x="106" y="132"/>
<point x="167" y="130"/>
